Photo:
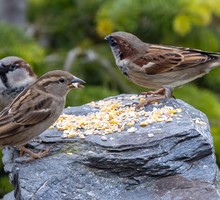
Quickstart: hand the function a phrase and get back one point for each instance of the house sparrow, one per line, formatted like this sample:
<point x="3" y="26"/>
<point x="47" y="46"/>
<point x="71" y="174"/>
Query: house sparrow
<point x="15" y="75"/>
<point x="35" y="109"/>
<point x="159" y="67"/>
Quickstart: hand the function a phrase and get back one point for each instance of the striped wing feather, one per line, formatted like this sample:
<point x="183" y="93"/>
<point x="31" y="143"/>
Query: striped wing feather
<point x="164" y="59"/>
<point x="24" y="113"/>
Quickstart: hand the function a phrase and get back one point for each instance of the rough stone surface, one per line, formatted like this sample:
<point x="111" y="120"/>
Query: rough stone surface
<point x="178" y="162"/>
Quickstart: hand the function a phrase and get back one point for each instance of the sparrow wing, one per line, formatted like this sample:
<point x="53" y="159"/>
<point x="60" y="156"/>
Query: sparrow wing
<point x="160" y="59"/>
<point x="7" y="127"/>
<point x="32" y="110"/>
<point x="24" y="112"/>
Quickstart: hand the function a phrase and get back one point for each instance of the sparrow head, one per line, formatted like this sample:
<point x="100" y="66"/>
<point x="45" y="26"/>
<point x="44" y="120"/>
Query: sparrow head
<point x="123" y="44"/>
<point x="59" y="82"/>
<point x="15" y="72"/>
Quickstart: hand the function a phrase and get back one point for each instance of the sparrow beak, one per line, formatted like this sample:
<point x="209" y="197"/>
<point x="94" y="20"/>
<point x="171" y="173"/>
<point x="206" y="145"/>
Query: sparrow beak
<point x="112" y="42"/>
<point x="107" y="38"/>
<point x="76" y="83"/>
<point x="3" y="68"/>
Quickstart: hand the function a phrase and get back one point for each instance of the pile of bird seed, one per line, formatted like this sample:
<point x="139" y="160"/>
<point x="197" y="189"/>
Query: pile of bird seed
<point x="113" y="116"/>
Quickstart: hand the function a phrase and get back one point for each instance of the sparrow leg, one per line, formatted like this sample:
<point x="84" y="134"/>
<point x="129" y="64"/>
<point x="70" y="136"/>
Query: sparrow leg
<point x="160" y="91"/>
<point x="33" y="154"/>
<point x="21" y="152"/>
<point x="167" y="91"/>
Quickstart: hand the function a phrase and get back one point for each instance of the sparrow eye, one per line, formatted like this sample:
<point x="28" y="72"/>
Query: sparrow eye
<point x="112" y="42"/>
<point x="13" y="67"/>
<point x="62" y="80"/>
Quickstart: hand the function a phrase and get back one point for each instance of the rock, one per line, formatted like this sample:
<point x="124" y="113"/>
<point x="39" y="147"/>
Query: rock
<point x="163" y="160"/>
<point x="9" y="196"/>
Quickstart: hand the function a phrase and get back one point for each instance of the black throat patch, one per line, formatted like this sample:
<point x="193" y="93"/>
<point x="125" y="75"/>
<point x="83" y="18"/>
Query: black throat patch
<point x="4" y="80"/>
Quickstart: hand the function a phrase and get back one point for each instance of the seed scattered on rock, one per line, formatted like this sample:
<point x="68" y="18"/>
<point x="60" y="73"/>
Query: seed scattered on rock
<point x="113" y="116"/>
<point x="104" y="138"/>
<point x="150" y="135"/>
<point x="198" y="121"/>
<point x="132" y="130"/>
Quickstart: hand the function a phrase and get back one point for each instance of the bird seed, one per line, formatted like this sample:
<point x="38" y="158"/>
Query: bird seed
<point x="113" y="116"/>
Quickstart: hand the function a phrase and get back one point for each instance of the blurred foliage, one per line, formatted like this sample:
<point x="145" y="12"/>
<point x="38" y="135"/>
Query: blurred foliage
<point x="88" y="94"/>
<point x="194" y="13"/>
<point x="58" y="27"/>
<point x="14" y="41"/>
<point x="65" y="23"/>
<point x="203" y="99"/>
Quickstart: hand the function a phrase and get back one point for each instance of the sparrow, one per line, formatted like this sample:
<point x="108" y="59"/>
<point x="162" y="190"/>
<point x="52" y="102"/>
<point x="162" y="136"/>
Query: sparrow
<point x="15" y="75"/>
<point x="35" y="109"/>
<point x="159" y="67"/>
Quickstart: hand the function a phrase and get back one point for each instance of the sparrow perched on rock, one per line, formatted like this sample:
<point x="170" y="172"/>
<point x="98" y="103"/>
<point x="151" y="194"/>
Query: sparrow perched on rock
<point x="159" y="67"/>
<point x="15" y="75"/>
<point x="36" y="108"/>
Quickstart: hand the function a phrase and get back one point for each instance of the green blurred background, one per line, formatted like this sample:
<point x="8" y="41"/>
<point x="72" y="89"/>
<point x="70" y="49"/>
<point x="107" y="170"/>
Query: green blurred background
<point x="68" y="34"/>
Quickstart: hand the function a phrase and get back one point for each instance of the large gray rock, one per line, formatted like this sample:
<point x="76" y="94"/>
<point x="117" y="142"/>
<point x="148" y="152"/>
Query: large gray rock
<point x="176" y="162"/>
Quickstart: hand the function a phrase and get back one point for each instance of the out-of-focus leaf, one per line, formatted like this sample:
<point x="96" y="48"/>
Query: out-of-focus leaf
<point x="117" y="12"/>
<point x="88" y="94"/>
<point x="16" y="42"/>
<point x="202" y="99"/>
<point x="104" y="27"/>
<point x="182" y="24"/>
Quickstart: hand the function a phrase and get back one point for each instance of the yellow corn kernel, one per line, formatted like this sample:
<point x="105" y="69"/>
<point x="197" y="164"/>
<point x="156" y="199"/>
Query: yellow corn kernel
<point x="114" y="121"/>
<point x="142" y="100"/>
<point x="144" y="123"/>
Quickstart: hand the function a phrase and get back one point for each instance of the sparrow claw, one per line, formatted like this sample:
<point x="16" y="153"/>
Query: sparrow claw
<point x="34" y="155"/>
<point x="149" y="100"/>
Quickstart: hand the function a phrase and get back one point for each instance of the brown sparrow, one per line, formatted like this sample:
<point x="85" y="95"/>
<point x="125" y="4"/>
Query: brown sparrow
<point x="36" y="108"/>
<point x="159" y="67"/>
<point x="15" y="75"/>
